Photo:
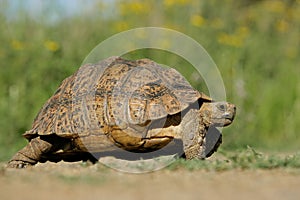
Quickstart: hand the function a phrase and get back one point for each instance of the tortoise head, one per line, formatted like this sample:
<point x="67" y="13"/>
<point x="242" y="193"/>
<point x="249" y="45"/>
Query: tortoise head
<point x="217" y="114"/>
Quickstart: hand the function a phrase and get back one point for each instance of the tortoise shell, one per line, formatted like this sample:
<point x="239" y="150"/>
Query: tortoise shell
<point x="113" y="92"/>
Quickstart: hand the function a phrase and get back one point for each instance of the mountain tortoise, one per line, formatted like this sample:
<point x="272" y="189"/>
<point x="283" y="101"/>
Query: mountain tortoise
<point x="118" y="104"/>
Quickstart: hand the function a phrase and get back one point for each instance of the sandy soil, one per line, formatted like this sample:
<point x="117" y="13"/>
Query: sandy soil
<point x="88" y="181"/>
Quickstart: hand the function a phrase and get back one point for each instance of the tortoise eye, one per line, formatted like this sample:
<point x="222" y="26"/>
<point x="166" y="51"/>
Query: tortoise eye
<point x="222" y="107"/>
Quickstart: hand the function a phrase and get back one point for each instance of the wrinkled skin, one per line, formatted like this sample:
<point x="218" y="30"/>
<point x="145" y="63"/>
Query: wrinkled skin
<point x="206" y="140"/>
<point x="217" y="114"/>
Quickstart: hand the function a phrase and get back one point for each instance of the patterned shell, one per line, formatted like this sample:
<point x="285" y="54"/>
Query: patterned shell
<point x="113" y="92"/>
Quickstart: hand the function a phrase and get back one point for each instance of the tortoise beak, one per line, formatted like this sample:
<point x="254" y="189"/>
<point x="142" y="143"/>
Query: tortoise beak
<point x="229" y="114"/>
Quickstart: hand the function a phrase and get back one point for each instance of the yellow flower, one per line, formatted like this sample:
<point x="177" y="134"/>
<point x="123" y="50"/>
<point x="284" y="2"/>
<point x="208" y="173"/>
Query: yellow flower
<point x="275" y="6"/>
<point x="169" y="3"/>
<point x="51" y="45"/>
<point x="137" y="7"/>
<point x="121" y="26"/>
<point x="183" y="2"/>
<point x="197" y="20"/>
<point x="17" y="45"/>
<point x="282" y="26"/>
<point x="230" y="40"/>
<point x="242" y="31"/>
<point x="236" y="39"/>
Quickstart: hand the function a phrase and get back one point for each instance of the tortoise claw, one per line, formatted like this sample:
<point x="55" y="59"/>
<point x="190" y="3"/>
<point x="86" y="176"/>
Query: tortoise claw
<point x="17" y="164"/>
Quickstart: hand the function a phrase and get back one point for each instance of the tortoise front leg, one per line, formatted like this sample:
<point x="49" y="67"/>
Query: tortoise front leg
<point x="30" y="154"/>
<point x="193" y="135"/>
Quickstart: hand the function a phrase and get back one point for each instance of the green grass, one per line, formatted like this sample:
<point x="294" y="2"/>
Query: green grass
<point x="255" y="45"/>
<point x="245" y="159"/>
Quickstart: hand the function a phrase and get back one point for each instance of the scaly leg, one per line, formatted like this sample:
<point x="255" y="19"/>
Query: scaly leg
<point x="193" y="135"/>
<point x="30" y="154"/>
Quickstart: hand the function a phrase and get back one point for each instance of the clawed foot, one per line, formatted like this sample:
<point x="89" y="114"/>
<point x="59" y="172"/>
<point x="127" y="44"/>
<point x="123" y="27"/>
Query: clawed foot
<point x="18" y="164"/>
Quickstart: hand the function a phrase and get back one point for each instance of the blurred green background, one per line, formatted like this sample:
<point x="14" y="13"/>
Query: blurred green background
<point x="254" y="43"/>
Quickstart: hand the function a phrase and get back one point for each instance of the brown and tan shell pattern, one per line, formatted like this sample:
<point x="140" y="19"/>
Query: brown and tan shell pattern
<point x="113" y="92"/>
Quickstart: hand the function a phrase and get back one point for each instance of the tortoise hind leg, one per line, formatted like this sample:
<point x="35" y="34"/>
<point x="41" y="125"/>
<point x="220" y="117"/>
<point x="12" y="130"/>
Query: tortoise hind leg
<point x="30" y="154"/>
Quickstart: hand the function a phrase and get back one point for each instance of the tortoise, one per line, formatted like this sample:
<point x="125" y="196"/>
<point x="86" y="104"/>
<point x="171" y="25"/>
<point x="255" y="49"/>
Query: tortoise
<point x="129" y="105"/>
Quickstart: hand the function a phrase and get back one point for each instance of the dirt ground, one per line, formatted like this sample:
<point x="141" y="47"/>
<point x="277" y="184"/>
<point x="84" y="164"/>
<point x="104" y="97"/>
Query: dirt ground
<point x="94" y="181"/>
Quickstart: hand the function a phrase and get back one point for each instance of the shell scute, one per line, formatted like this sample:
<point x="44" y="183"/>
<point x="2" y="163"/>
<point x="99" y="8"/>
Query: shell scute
<point x="113" y="92"/>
